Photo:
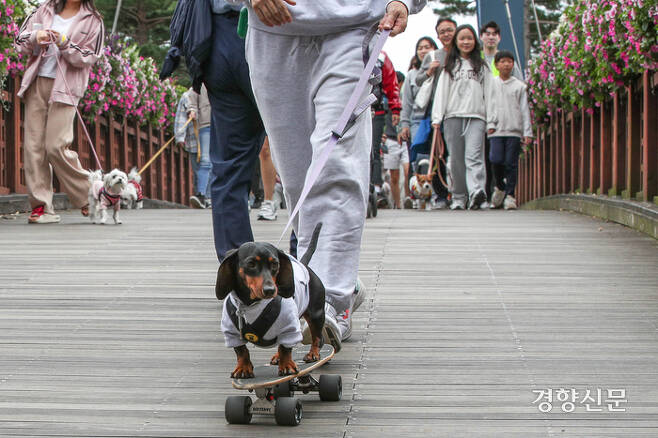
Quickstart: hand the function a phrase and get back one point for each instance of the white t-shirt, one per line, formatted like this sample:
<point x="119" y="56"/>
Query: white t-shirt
<point x="48" y="67"/>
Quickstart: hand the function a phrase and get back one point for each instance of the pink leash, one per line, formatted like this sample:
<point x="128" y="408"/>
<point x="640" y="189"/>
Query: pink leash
<point x="352" y="110"/>
<point x="68" y="89"/>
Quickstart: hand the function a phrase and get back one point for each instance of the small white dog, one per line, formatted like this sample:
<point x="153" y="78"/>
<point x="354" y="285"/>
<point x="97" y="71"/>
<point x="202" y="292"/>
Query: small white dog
<point x="133" y="196"/>
<point x="105" y="191"/>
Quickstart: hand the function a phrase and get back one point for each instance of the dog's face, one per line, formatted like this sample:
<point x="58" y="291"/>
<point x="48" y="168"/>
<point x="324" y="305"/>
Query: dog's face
<point x="255" y="271"/>
<point x="421" y="186"/>
<point x="115" y="181"/>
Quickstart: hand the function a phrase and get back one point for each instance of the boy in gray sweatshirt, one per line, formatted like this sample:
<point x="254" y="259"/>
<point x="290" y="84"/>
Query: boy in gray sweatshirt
<point x="513" y="128"/>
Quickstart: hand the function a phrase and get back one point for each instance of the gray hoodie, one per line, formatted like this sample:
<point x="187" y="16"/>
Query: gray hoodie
<point x="320" y="17"/>
<point x="468" y="95"/>
<point x="511" y="103"/>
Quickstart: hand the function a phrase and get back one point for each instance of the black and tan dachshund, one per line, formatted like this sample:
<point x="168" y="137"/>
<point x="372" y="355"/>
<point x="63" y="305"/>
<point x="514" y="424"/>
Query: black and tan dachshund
<point x="259" y="271"/>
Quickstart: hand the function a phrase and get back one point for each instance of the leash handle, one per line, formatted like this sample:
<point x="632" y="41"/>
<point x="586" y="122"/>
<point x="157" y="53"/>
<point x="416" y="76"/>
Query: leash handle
<point x="68" y="89"/>
<point x="337" y="133"/>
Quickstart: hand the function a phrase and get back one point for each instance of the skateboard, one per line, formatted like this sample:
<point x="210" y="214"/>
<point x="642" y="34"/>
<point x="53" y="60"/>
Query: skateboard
<point x="275" y="393"/>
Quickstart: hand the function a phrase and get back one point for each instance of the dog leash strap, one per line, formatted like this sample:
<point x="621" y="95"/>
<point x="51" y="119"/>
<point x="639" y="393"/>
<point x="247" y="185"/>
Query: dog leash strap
<point x="341" y="127"/>
<point x="77" y="111"/>
<point x="157" y="154"/>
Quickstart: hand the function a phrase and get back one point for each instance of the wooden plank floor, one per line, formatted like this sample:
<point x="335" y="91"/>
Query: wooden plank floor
<point x="113" y="331"/>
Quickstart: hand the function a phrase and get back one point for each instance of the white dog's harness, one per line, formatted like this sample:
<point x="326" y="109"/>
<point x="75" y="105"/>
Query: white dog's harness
<point x="106" y="198"/>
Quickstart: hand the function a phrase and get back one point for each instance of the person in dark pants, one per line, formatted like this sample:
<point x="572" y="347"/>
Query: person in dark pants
<point x="205" y="33"/>
<point x="237" y="131"/>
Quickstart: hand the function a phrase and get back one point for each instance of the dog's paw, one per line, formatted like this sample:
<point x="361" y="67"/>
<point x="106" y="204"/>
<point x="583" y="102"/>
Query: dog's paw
<point x="313" y="355"/>
<point x="287" y="367"/>
<point x="275" y="359"/>
<point x="118" y="222"/>
<point x="243" y="370"/>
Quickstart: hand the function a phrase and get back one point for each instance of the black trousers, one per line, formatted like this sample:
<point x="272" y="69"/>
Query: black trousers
<point x="236" y="135"/>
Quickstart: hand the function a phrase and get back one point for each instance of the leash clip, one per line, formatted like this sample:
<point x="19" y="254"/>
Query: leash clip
<point x="360" y="109"/>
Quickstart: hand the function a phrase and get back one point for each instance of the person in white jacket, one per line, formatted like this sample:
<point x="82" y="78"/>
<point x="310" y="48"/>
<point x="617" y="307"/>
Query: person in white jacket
<point x="513" y="128"/>
<point x="305" y="60"/>
<point x="463" y="103"/>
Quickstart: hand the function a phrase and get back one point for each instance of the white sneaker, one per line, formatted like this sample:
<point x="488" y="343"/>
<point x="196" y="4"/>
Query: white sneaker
<point x="267" y="211"/>
<point x="477" y="200"/>
<point x="45" y="218"/>
<point x="337" y="328"/>
<point x="344" y="319"/>
<point x="497" y="198"/>
<point x="510" y="203"/>
<point x="439" y="204"/>
<point x="331" y="332"/>
<point x="458" y="204"/>
<point x="195" y="202"/>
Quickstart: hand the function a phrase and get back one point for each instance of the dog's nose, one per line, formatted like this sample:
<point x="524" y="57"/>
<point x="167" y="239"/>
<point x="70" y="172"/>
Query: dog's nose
<point x="269" y="291"/>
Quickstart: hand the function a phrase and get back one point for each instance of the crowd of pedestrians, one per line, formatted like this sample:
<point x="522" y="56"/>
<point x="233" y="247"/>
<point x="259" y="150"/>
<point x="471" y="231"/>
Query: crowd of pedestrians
<point x="473" y="96"/>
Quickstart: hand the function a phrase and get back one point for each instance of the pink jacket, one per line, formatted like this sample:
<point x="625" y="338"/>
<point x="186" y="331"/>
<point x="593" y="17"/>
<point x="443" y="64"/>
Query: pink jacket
<point x="78" y="54"/>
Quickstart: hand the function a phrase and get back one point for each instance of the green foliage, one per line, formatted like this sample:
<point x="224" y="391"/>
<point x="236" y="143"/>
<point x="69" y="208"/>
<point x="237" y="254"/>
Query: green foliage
<point x="144" y="21"/>
<point x="448" y="8"/>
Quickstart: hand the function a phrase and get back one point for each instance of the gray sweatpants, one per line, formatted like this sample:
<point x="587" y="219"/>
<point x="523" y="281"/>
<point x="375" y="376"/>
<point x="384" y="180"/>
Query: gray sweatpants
<point x="301" y="85"/>
<point x="465" y="142"/>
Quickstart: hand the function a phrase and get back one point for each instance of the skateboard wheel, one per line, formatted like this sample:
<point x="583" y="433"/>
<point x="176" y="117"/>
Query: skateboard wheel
<point x="288" y="411"/>
<point x="236" y="409"/>
<point x="331" y="387"/>
<point x="282" y="390"/>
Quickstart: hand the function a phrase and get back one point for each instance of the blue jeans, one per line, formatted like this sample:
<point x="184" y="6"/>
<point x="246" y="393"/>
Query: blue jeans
<point x="202" y="168"/>
<point x="504" y="156"/>
<point x="236" y="135"/>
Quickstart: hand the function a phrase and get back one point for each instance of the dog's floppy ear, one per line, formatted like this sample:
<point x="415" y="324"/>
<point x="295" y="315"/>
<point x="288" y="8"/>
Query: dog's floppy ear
<point x="285" y="279"/>
<point x="226" y="280"/>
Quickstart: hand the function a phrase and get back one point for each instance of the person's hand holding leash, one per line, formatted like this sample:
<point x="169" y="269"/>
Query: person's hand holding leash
<point x="273" y="12"/>
<point x="43" y="37"/>
<point x="395" y="19"/>
<point x="432" y="68"/>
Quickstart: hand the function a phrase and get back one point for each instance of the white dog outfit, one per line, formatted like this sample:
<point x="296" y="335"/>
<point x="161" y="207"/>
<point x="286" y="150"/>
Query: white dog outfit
<point x="284" y="329"/>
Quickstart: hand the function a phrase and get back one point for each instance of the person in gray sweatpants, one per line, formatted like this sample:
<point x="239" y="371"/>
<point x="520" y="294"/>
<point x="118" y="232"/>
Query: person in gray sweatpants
<point x="305" y="60"/>
<point x="464" y="103"/>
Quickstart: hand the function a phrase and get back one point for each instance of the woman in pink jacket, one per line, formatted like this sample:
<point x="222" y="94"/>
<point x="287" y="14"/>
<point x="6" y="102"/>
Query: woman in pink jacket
<point x="71" y="30"/>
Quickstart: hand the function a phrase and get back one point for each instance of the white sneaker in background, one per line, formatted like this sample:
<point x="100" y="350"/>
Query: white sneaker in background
<point x="267" y="211"/>
<point x="509" y="203"/>
<point x="497" y="198"/>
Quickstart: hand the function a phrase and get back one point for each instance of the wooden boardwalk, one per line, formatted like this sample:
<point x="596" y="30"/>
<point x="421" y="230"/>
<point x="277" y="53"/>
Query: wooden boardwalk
<point x="114" y="331"/>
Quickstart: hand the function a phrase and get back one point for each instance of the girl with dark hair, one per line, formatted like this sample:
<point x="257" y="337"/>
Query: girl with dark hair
<point x="62" y="39"/>
<point x="411" y="114"/>
<point x="463" y="103"/>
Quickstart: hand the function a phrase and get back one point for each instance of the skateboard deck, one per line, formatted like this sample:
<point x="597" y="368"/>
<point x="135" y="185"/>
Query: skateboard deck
<point x="268" y="375"/>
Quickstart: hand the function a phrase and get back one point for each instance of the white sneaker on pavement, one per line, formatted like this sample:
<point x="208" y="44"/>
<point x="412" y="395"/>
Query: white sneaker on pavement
<point x="497" y="198"/>
<point x="337" y="328"/>
<point x="510" y="203"/>
<point x="267" y="211"/>
<point x="458" y="204"/>
<point x="344" y="319"/>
